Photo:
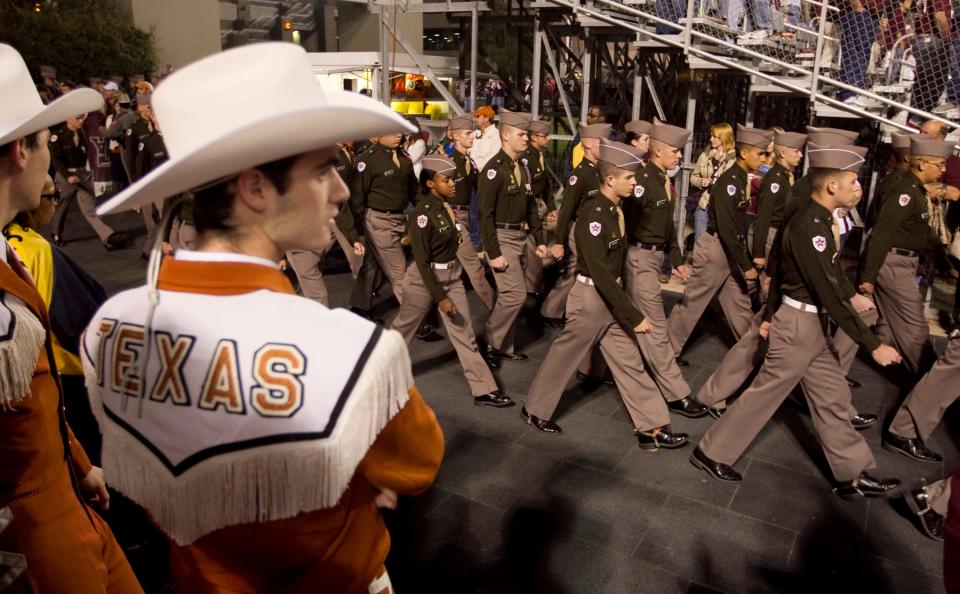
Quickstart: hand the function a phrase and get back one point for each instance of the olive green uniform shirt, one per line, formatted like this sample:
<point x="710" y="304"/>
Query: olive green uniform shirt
<point x="601" y="255"/>
<point x="582" y="185"/>
<point x="533" y="160"/>
<point x="464" y="179"/>
<point x="649" y="212"/>
<point x="434" y="237"/>
<point x="504" y="199"/>
<point x="727" y="213"/>
<point x="379" y="183"/>
<point x="770" y="205"/>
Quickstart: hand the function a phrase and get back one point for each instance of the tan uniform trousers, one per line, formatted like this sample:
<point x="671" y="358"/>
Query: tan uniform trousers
<point x="710" y="274"/>
<point x="923" y="408"/>
<point x="308" y="266"/>
<point x="740" y="361"/>
<point x="417" y="301"/>
<point x="83" y="192"/>
<point x="467" y="255"/>
<point x="589" y="322"/>
<point x="383" y="232"/>
<point x="938" y="495"/>
<point x="534" y="272"/>
<point x="643" y="285"/>
<point x="798" y="350"/>
<point x="511" y="290"/>
<point x="901" y="306"/>
<point x="556" y="302"/>
<point x="771" y="235"/>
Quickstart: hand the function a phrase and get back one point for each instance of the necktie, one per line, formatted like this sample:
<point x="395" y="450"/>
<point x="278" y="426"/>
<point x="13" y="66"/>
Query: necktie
<point x="396" y="158"/>
<point x="620" y="221"/>
<point x="667" y="188"/>
<point x="516" y="173"/>
<point x="543" y="166"/>
<point x="790" y="175"/>
<point x="835" y="227"/>
<point x="468" y="165"/>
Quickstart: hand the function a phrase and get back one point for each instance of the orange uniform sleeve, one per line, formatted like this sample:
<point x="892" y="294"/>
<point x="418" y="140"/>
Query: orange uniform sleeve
<point x="78" y="457"/>
<point x="406" y="455"/>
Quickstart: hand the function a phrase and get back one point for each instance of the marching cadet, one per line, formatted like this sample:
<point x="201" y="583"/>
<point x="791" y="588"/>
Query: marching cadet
<point x="900" y="144"/>
<point x="638" y="136"/>
<point x="799" y="195"/>
<point x="901" y="232"/>
<point x="68" y="151"/>
<point x="541" y="191"/>
<point x="600" y="313"/>
<point x="382" y="187"/>
<point x="433" y="278"/>
<point x="798" y="348"/>
<point x="581" y="186"/>
<point x="460" y="131"/>
<point x="507" y="215"/>
<point x="308" y="264"/>
<point x="721" y="263"/>
<point x="55" y="541"/>
<point x="776" y="183"/>
<point x="651" y="234"/>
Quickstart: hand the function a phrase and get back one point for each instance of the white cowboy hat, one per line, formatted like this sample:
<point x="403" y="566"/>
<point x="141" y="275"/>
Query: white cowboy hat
<point x="22" y="112"/>
<point x="245" y="107"/>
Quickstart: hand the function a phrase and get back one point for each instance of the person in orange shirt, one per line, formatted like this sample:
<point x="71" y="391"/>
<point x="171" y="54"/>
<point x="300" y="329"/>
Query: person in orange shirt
<point x="260" y="430"/>
<point x="45" y="476"/>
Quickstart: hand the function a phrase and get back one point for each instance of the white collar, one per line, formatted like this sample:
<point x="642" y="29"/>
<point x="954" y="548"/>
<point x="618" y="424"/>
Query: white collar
<point x="193" y="256"/>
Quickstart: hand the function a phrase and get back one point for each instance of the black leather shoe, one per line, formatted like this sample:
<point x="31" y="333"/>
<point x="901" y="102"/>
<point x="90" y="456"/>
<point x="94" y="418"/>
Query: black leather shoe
<point x="863" y="420"/>
<point x="495" y="399"/>
<point x="681" y="362"/>
<point x="852" y="382"/>
<point x="661" y="437"/>
<point x="930" y="521"/>
<point x="553" y="323"/>
<point x="114" y="242"/>
<point x="58" y="240"/>
<point x="717" y="470"/>
<point x="867" y="486"/>
<point x="911" y="448"/>
<point x="716" y="413"/>
<point x="591" y="379"/>
<point x="545" y="425"/>
<point x="428" y="333"/>
<point x="492" y="352"/>
<point x="688" y="407"/>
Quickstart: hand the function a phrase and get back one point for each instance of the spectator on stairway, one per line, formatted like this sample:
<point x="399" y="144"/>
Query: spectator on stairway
<point x="858" y="31"/>
<point x="952" y="107"/>
<point x="894" y="23"/>
<point x="931" y="49"/>
<point x="759" y="15"/>
<point x="716" y="158"/>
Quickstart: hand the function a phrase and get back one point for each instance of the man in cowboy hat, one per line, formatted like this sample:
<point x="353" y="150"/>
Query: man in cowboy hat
<point x="601" y="315"/>
<point x="581" y="186"/>
<point x="798" y="349"/>
<point x="651" y="235"/>
<point x="901" y="232"/>
<point x="507" y="215"/>
<point x="722" y="265"/>
<point x="259" y="430"/>
<point x="46" y="476"/>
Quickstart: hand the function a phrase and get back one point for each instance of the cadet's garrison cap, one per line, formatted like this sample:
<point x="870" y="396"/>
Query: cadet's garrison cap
<point x="753" y="136"/>
<point x="639" y="127"/>
<point x="842" y="157"/>
<point x="794" y="140"/>
<point x="521" y="121"/>
<point x="438" y="164"/>
<point x="595" y="130"/>
<point x="675" y="136"/>
<point x="539" y="127"/>
<point x="830" y="136"/>
<point x="924" y="146"/>
<point x="900" y="141"/>
<point x="460" y="122"/>
<point x="620" y="155"/>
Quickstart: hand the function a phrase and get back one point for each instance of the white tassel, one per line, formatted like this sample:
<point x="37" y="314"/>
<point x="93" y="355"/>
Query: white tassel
<point x="18" y="356"/>
<point x="267" y="483"/>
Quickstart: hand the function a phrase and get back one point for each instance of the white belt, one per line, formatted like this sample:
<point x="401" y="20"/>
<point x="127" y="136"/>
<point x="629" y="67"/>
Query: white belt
<point x="443" y="265"/>
<point x="789" y="301"/>
<point x="585" y="280"/>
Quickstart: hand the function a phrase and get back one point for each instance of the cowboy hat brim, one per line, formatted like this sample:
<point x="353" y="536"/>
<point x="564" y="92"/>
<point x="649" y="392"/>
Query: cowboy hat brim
<point x="274" y="137"/>
<point x="74" y="103"/>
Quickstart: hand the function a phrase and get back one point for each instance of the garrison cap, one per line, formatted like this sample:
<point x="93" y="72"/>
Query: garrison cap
<point x="842" y="157"/>
<point x="900" y="141"/>
<point x="460" y="122"/>
<point x="438" y="164"/>
<point x="620" y="155"/>
<point x="519" y="121"/>
<point x="794" y="140"/>
<point x="639" y="127"/>
<point x="924" y="146"/>
<point x="595" y="130"/>
<point x="675" y="136"/>
<point x="539" y="127"/>
<point x="754" y="136"/>
<point x="831" y="136"/>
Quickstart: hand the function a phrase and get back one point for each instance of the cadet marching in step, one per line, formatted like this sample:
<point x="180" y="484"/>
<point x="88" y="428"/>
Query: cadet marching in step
<point x="796" y="315"/>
